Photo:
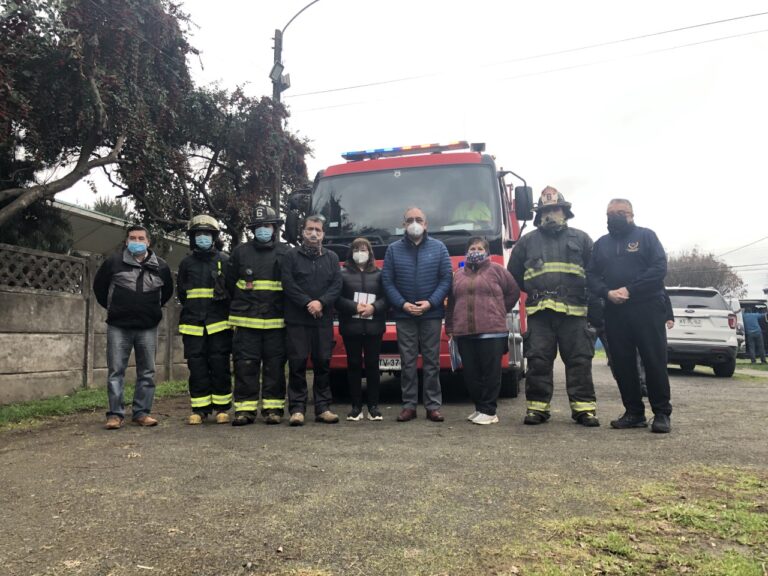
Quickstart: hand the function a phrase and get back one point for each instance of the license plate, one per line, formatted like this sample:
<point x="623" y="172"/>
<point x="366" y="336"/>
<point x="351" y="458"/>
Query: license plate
<point x="690" y="321"/>
<point x="389" y="363"/>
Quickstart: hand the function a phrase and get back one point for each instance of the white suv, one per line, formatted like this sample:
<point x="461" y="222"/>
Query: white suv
<point x="704" y="331"/>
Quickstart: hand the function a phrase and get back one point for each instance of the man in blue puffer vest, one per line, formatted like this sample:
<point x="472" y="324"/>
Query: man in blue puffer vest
<point x="417" y="278"/>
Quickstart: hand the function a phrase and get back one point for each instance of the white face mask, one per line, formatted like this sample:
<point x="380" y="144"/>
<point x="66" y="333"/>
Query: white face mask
<point x="360" y="257"/>
<point x="415" y="230"/>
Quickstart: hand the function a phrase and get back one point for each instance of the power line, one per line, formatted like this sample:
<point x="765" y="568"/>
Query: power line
<point x="742" y="247"/>
<point x="538" y="56"/>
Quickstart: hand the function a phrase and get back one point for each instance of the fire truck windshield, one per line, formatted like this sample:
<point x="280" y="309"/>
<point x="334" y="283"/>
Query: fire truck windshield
<point x="458" y="200"/>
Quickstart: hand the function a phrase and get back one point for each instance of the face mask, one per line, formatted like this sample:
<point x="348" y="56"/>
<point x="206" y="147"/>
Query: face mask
<point x="204" y="241"/>
<point x="617" y="224"/>
<point x="476" y="257"/>
<point x="415" y="230"/>
<point x="553" y="222"/>
<point x="311" y="237"/>
<point x="360" y="257"/>
<point x="263" y="234"/>
<point x="137" y="248"/>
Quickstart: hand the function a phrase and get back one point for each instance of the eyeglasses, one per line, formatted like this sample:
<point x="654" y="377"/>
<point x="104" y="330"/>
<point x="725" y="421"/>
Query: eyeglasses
<point x="418" y="219"/>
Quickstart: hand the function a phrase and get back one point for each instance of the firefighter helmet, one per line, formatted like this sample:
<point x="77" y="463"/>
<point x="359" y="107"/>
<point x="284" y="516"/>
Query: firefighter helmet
<point x="263" y="214"/>
<point x="551" y="198"/>
<point x="202" y="223"/>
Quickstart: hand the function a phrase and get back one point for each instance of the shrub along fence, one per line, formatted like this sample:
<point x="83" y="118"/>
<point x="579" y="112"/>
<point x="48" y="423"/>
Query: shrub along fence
<point x="53" y="333"/>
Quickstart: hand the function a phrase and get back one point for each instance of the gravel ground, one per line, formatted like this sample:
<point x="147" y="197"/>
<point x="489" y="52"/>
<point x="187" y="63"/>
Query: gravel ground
<point x="353" y="498"/>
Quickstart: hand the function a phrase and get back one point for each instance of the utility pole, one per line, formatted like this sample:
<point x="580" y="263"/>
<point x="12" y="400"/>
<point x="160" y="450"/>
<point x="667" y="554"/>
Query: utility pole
<point x="277" y="68"/>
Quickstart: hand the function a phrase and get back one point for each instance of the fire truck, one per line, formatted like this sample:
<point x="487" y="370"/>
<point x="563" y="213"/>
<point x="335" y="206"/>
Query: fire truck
<point x="462" y="193"/>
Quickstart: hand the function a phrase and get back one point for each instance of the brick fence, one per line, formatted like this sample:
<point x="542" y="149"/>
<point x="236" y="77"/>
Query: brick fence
<point x="53" y="333"/>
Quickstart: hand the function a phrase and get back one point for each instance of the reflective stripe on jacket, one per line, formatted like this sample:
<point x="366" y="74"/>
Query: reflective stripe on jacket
<point x="204" y="306"/>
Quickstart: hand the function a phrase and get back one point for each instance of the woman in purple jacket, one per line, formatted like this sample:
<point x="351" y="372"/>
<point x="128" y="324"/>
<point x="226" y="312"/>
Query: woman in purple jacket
<point x="483" y="292"/>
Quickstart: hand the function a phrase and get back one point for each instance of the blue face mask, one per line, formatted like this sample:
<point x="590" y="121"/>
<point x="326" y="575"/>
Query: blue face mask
<point x="137" y="248"/>
<point x="204" y="241"/>
<point x="263" y="234"/>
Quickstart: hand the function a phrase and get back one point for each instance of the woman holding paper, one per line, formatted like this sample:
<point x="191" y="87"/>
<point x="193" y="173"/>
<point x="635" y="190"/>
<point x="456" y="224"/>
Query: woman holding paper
<point x="361" y="307"/>
<point x="476" y="317"/>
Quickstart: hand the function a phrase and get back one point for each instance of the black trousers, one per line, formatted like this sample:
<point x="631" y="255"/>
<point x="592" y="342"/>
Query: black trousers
<point x="259" y="358"/>
<point x="481" y="359"/>
<point x="547" y="332"/>
<point x="359" y="347"/>
<point x="210" y="378"/>
<point x="639" y="327"/>
<point x="305" y="342"/>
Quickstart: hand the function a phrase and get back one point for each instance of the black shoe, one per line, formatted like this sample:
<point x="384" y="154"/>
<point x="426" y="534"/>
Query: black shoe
<point x="661" y="424"/>
<point x="374" y="413"/>
<point x="587" y="419"/>
<point x="356" y="414"/>
<point x="244" y="418"/>
<point x="630" y="421"/>
<point x="533" y="417"/>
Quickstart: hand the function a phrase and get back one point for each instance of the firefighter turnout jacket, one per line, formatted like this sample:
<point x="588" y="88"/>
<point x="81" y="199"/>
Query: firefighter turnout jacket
<point x="253" y="280"/>
<point x="202" y="293"/>
<point x="550" y="268"/>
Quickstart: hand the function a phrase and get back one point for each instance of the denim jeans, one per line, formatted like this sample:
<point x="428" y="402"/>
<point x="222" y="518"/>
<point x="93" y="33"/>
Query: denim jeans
<point x="120" y="342"/>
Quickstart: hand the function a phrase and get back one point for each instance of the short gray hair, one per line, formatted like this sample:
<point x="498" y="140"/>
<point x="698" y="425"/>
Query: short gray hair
<point x="414" y="208"/>
<point x="314" y="218"/>
<point x="621" y="201"/>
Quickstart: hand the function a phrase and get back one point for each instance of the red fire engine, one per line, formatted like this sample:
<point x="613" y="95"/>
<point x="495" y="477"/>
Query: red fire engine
<point x="463" y="195"/>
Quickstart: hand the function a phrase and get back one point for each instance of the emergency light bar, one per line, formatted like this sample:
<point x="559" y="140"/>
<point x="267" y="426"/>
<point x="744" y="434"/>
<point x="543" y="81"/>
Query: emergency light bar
<point x="404" y="150"/>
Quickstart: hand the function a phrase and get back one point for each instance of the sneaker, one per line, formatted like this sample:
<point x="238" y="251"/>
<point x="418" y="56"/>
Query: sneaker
<point x="222" y="418"/>
<point x="474" y="415"/>
<point x="195" y="419"/>
<point x="145" y="420"/>
<point x="587" y="419"/>
<point x="114" y="423"/>
<point x="243" y="419"/>
<point x="297" y="419"/>
<point x="485" y="419"/>
<point x="374" y="414"/>
<point x="355" y="415"/>
<point x="533" y="417"/>
<point x="327" y="417"/>
<point x="628" y="420"/>
<point x="273" y="419"/>
<point x="661" y="424"/>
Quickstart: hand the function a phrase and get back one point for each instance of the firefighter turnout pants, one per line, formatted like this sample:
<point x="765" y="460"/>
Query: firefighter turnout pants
<point x="639" y="327"/>
<point x="547" y="332"/>
<point x="210" y="378"/>
<point x="259" y="358"/>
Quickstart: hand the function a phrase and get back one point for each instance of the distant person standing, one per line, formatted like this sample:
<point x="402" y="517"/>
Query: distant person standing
<point x="362" y="309"/>
<point x="627" y="270"/>
<point x="417" y="278"/>
<point x="483" y="293"/>
<point x="754" y="335"/>
<point x="312" y="283"/>
<point x="133" y="285"/>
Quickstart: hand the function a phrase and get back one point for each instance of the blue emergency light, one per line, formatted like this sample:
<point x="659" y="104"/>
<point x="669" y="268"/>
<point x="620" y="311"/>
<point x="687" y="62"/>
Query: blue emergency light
<point x="404" y="150"/>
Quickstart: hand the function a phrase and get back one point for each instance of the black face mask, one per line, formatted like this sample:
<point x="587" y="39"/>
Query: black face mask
<point x="618" y="225"/>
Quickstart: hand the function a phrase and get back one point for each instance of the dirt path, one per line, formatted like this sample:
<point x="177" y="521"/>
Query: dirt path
<point x="355" y="498"/>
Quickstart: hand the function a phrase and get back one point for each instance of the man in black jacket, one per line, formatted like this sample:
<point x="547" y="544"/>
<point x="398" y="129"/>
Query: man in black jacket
<point x="627" y="270"/>
<point x="312" y="283"/>
<point x="133" y="285"/>
<point x="203" y="322"/>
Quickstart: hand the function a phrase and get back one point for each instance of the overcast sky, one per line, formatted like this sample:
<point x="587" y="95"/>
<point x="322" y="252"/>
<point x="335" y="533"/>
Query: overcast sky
<point x="675" y="122"/>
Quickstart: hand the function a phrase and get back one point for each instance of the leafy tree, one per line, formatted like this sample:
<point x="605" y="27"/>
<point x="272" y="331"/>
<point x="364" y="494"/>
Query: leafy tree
<point x="704" y="270"/>
<point x="41" y="227"/>
<point x="86" y="84"/>
<point x="112" y="207"/>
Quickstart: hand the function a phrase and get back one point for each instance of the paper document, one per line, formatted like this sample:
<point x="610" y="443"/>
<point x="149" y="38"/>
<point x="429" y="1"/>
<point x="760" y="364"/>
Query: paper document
<point x="453" y="351"/>
<point x="364" y="298"/>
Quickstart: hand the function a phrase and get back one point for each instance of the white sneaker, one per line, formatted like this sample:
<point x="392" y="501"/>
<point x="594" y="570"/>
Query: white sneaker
<point x="472" y="416"/>
<point x="485" y="419"/>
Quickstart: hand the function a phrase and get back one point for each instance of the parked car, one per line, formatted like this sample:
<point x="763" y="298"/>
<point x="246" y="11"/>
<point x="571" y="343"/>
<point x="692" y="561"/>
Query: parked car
<point x="704" y="331"/>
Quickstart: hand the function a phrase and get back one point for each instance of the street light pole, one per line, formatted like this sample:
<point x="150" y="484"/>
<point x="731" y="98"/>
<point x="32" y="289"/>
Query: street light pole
<point x="281" y="82"/>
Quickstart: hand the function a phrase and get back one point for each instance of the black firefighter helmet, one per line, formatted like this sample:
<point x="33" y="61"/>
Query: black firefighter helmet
<point x="263" y="214"/>
<point x="551" y="198"/>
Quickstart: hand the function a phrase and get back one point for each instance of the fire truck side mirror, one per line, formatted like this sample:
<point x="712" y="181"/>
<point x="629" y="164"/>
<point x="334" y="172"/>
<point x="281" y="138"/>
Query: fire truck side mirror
<point x="298" y="205"/>
<point x="524" y="203"/>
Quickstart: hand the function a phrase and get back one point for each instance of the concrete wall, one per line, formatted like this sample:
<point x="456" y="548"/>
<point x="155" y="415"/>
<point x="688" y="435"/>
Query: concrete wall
<point x="53" y="343"/>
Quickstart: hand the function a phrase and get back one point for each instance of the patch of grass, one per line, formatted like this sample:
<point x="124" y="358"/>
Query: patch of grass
<point x="745" y="363"/>
<point x="86" y="400"/>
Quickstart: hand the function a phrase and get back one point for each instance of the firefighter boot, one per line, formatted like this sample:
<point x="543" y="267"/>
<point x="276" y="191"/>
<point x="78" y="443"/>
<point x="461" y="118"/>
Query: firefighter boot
<point x="244" y="418"/>
<point x="587" y="419"/>
<point x="196" y="418"/>
<point x="222" y="417"/>
<point x="533" y="417"/>
<point x="272" y="418"/>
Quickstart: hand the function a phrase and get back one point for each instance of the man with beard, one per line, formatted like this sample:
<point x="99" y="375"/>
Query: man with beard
<point x="549" y="265"/>
<point x="312" y="283"/>
<point x="627" y="270"/>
